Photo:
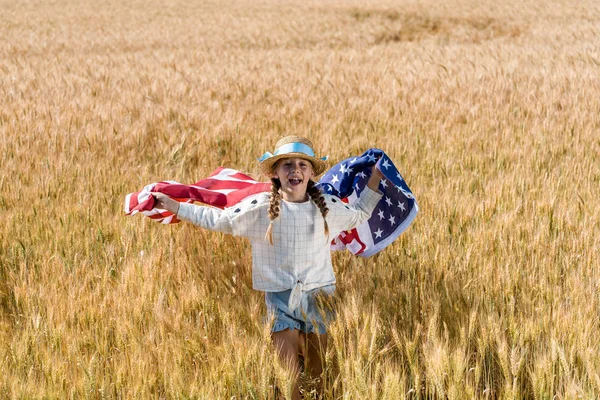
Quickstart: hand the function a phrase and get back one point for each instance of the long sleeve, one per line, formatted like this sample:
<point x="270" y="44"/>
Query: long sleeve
<point x="246" y="219"/>
<point x="209" y="218"/>
<point x="344" y="216"/>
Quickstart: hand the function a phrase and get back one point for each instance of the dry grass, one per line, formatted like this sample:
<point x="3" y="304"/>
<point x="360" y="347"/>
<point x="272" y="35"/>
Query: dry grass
<point x="490" y="110"/>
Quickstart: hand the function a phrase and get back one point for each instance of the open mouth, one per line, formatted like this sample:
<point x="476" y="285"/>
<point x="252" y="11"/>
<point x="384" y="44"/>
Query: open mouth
<point x="295" y="181"/>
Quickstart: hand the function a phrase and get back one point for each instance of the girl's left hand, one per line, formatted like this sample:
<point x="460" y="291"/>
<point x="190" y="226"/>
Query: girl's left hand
<point x="376" y="172"/>
<point x="374" y="179"/>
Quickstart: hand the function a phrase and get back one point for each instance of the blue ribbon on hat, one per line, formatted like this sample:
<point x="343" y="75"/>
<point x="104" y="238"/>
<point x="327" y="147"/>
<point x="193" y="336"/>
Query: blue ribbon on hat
<point x="291" y="148"/>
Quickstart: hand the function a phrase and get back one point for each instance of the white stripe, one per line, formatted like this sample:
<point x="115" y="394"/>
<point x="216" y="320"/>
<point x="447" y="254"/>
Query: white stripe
<point x="127" y="200"/>
<point x="168" y="219"/>
<point x="226" y="174"/>
<point x="223" y="191"/>
<point x="154" y="211"/>
<point x="229" y="178"/>
<point x="224" y="180"/>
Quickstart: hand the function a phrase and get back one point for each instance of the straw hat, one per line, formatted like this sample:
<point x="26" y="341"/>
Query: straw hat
<point x="292" y="146"/>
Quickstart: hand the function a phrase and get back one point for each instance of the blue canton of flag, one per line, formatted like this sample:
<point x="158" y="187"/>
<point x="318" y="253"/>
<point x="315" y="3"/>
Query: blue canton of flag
<point x="392" y="216"/>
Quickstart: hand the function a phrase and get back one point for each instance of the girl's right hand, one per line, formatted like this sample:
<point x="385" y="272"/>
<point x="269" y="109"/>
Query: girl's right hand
<point x="165" y="202"/>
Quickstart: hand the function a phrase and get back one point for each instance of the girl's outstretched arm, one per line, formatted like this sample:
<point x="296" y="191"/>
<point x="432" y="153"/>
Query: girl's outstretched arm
<point x="344" y="216"/>
<point x="209" y="218"/>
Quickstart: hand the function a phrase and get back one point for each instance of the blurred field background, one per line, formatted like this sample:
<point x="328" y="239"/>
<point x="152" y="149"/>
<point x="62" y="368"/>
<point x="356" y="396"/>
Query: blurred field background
<point x="490" y="110"/>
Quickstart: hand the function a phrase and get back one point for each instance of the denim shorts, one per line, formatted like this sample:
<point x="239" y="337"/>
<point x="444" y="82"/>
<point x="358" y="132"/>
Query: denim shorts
<point x="313" y="314"/>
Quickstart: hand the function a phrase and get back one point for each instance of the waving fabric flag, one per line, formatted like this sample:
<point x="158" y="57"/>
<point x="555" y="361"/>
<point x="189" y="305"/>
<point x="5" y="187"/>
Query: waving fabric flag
<point x="226" y="187"/>
<point x="223" y="188"/>
<point x="394" y="213"/>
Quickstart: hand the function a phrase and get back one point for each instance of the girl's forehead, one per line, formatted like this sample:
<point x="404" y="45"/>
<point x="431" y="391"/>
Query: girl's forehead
<point x="294" y="160"/>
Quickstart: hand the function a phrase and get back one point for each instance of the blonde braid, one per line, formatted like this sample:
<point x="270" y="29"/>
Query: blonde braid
<point x="317" y="198"/>
<point x="273" y="207"/>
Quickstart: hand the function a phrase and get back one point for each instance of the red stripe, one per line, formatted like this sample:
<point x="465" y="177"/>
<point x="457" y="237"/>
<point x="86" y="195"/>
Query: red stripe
<point x="208" y="194"/>
<point x="239" y="175"/>
<point x="216" y="184"/>
<point x="133" y="200"/>
<point x="204" y="191"/>
<point x="145" y="205"/>
<point x="239" y="195"/>
<point x="159" y="215"/>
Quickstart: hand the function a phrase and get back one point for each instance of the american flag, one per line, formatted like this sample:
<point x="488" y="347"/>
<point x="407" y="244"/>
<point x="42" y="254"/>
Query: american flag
<point x="226" y="187"/>
<point x="394" y="213"/>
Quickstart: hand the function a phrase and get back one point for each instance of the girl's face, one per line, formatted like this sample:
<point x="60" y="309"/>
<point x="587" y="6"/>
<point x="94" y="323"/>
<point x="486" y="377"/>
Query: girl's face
<point x="294" y="174"/>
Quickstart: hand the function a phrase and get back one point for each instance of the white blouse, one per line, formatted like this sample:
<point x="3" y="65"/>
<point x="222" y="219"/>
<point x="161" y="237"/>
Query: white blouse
<point x="300" y="258"/>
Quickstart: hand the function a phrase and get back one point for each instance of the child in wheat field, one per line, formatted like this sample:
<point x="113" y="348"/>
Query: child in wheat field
<point x="290" y="230"/>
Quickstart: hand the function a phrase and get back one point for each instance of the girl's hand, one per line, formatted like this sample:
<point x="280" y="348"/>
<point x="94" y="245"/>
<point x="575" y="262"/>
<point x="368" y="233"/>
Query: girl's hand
<point x="374" y="179"/>
<point x="376" y="172"/>
<point x="165" y="202"/>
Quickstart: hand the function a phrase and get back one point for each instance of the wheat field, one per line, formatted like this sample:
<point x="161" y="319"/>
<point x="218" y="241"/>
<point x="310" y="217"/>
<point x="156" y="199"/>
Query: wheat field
<point x="489" y="109"/>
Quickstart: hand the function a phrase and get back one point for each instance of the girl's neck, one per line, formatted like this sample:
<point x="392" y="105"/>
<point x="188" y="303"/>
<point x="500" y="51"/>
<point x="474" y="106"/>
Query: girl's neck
<point x="295" y="199"/>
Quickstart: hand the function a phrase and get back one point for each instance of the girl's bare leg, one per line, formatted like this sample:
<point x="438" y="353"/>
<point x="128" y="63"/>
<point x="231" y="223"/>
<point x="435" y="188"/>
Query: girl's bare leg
<point x="287" y="343"/>
<point x="316" y="346"/>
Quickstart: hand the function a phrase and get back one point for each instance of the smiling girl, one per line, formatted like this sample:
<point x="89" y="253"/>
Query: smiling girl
<point x="290" y="230"/>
